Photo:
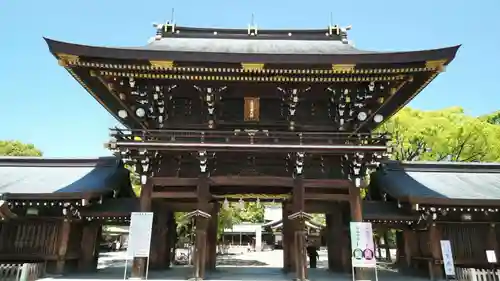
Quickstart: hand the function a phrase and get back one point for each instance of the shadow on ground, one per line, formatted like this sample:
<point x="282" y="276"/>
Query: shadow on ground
<point x="239" y="263"/>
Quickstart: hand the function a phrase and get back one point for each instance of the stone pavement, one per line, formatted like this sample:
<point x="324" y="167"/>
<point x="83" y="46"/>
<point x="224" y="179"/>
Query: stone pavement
<point x="256" y="266"/>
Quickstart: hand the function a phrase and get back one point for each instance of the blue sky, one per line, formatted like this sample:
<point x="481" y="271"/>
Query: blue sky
<point x="41" y="104"/>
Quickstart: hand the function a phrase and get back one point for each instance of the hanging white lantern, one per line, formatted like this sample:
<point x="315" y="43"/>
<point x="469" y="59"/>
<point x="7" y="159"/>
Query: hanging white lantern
<point x="257" y="202"/>
<point x="241" y="204"/>
<point x="225" y="205"/>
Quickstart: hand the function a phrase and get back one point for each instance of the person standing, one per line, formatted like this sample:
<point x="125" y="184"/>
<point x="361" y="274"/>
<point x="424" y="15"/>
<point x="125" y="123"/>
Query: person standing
<point x="312" y="252"/>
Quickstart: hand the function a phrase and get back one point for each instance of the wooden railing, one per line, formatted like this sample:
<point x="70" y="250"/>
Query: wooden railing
<point x="28" y="238"/>
<point x="472" y="274"/>
<point x="21" y="271"/>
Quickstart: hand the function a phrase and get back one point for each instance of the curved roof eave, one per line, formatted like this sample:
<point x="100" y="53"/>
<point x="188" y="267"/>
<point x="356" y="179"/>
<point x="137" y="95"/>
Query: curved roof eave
<point x="144" y="53"/>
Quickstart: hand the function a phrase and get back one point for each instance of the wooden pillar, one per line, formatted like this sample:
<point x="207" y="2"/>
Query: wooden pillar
<point x="171" y="237"/>
<point x="286" y="238"/>
<point x="492" y="239"/>
<point x="89" y="246"/>
<point x="158" y="257"/>
<point x="62" y="248"/>
<point x="386" y="245"/>
<point x="347" y="252"/>
<point x="400" y="247"/>
<point x="139" y="264"/>
<point x="355" y="201"/>
<point x="409" y="238"/>
<point x="334" y="226"/>
<point x="212" y="237"/>
<point x="299" y="252"/>
<point x="435" y="270"/>
<point x="200" y="252"/>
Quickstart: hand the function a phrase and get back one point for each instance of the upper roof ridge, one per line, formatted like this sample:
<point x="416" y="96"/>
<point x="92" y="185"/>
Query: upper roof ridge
<point x="332" y="32"/>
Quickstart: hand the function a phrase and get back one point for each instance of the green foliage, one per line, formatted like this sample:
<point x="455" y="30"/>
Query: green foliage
<point x="492" y="118"/>
<point x="319" y="219"/>
<point x="448" y="134"/>
<point x="134" y="180"/>
<point x="17" y="148"/>
<point x="253" y="212"/>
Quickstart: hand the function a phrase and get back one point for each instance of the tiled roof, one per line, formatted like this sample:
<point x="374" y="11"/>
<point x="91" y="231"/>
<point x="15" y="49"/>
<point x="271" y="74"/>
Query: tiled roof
<point x="37" y="177"/>
<point x="446" y="183"/>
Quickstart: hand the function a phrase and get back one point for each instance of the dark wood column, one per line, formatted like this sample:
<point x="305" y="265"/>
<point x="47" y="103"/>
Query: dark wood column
<point x="409" y="240"/>
<point x="89" y="246"/>
<point x="171" y="237"/>
<point x="63" y="239"/>
<point x="435" y="270"/>
<point x="158" y="258"/>
<point x="355" y="202"/>
<point x="212" y="237"/>
<point x="139" y="264"/>
<point x="287" y="241"/>
<point x="299" y="228"/>
<point x="200" y="251"/>
<point x="334" y="226"/>
<point x="492" y="239"/>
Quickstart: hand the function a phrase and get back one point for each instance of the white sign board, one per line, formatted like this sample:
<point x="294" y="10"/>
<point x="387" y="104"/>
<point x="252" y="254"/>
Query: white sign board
<point x="139" y="241"/>
<point x="363" y="250"/>
<point x="491" y="256"/>
<point x="448" y="264"/>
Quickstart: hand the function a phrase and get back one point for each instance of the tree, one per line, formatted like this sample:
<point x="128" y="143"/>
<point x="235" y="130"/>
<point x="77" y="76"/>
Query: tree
<point x="252" y="212"/>
<point x="319" y="219"/>
<point x="447" y="134"/>
<point x="492" y="118"/>
<point x="134" y="180"/>
<point x="17" y="148"/>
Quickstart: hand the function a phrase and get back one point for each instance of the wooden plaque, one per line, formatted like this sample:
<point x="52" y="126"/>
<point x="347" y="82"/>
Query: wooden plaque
<point x="252" y="109"/>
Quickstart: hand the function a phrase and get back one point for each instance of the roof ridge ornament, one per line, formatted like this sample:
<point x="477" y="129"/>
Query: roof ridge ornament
<point x="339" y="31"/>
<point x="252" y="27"/>
<point x="159" y="30"/>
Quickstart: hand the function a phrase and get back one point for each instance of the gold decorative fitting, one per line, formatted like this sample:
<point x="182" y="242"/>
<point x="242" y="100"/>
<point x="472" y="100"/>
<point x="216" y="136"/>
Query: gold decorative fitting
<point x="65" y="59"/>
<point x="252" y="66"/>
<point x="343" y="67"/>
<point x="165" y="64"/>
<point x="436" y="65"/>
<point x="252" y="109"/>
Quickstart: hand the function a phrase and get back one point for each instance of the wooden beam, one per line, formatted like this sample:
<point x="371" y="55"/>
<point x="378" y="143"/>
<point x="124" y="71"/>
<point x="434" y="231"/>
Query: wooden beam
<point x="174" y="195"/>
<point x="251" y="181"/>
<point x="326" y="197"/>
<point x="173" y="181"/>
<point x="327" y="183"/>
